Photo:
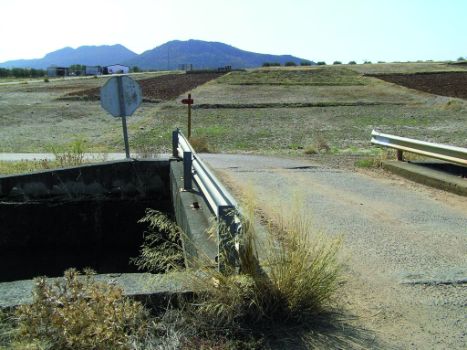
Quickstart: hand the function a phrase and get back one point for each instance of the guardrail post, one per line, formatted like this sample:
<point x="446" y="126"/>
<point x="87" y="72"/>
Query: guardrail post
<point x="187" y="172"/>
<point x="399" y="155"/>
<point x="175" y="143"/>
<point x="227" y="234"/>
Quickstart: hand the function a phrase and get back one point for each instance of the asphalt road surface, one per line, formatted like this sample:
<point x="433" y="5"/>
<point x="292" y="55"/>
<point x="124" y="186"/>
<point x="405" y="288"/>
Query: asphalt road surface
<point x="405" y="245"/>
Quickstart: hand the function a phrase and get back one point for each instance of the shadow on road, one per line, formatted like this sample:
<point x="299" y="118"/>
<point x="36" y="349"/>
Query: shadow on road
<point x="327" y="331"/>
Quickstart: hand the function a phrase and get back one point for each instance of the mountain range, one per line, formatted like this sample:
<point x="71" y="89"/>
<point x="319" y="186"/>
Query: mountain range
<point x="201" y="54"/>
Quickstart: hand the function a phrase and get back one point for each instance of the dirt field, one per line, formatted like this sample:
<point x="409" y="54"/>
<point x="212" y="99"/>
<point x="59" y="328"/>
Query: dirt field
<point x="162" y="88"/>
<point x="279" y="111"/>
<point x="453" y="84"/>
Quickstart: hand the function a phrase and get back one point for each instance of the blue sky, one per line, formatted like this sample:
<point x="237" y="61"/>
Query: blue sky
<point x="318" y="30"/>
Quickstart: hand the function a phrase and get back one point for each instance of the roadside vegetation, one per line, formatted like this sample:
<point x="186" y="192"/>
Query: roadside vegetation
<point x="71" y="154"/>
<point x="21" y="73"/>
<point x="75" y="313"/>
<point x="287" y="283"/>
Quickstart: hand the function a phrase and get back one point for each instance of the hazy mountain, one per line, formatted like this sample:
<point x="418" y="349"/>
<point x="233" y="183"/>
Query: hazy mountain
<point x="203" y="54"/>
<point x="87" y="55"/>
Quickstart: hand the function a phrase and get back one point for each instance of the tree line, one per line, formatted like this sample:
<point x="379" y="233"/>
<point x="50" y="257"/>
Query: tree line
<point x="22" y="73"/>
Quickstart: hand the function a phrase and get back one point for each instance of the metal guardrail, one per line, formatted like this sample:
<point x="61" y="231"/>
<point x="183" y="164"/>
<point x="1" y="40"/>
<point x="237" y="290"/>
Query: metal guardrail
<point x="452" y="154"/>
<point x="222" y="204"/>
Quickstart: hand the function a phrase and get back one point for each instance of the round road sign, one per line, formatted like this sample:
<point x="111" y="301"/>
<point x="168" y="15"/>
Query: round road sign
<point x="121" y="96"/>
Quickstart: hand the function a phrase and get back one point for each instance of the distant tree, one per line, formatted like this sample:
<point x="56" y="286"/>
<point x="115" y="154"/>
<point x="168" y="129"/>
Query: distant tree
<point x="20" y="72"/>
<point x="461" y="59"/>
<point x="77" y="69"/>
<point x="4" y="72"/>
<point x="321" y="63"/>
<point x="271" y="64"/>
<point x="381" y="62"/>
<point x="305" y="63"/>
<point x="290" y="64"/>
<point x="352" y="62"/>
<point x="135" y="69"/>
<point x="337" y="62"/>
<point x="36" y="73"/>
<point x="367" y="62"/>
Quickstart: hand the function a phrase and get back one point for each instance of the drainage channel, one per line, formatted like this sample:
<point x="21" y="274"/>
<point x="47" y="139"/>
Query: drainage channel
<point x="87" y="216"/>
<point x="78" y="217"/>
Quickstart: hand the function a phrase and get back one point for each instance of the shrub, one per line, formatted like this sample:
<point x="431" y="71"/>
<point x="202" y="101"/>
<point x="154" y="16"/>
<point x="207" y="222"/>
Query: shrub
<point x="310" y="149"/>
<point x="321" y="63"/>
<point x="321" y="144"/>
<point x="290" y="64"/>
<point x="200" y="144"/>
<point x="305" y="63"/>
<point x="337" y="62"/>
<point x="352" y="62"/>
<point x="367" y="62"/>
<point x="266" y="64"/>
<point x="79" y="313"/>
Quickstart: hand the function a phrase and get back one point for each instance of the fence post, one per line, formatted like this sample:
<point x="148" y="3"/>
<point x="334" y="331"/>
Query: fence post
<point x="227" y="235"/>
<point x="187" y="174"/>
<point x="175" y="143"/>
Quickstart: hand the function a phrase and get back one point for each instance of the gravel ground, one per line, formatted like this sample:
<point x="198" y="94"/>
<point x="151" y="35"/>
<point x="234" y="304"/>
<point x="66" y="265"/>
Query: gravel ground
<point x="405" y="245"/>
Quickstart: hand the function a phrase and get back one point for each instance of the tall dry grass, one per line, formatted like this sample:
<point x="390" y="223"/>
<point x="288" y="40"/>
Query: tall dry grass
<point x="296" y="279"/>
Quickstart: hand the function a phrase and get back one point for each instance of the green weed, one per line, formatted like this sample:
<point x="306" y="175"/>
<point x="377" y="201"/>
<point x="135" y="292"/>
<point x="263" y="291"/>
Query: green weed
<point x="71" y="154"/>
<point x="368" y="163"/>
<point x="21" y="167"/>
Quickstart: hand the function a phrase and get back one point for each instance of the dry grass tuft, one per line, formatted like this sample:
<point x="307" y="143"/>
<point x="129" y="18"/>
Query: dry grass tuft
<point x="200" y="144"/>
<point x="296" y="281"/>
<point x="71" y="154"/>
<point x="161" y="250"/>
<point x="319" y="145"/>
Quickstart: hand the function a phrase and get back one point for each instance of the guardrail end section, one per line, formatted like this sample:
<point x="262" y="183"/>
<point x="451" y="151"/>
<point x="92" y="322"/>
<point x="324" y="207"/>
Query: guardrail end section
<point x="228" y="228"/>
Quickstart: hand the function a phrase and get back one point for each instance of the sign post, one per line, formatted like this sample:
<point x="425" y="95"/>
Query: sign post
<point x="121" y="96"/>
<point x="188" y="101"/>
